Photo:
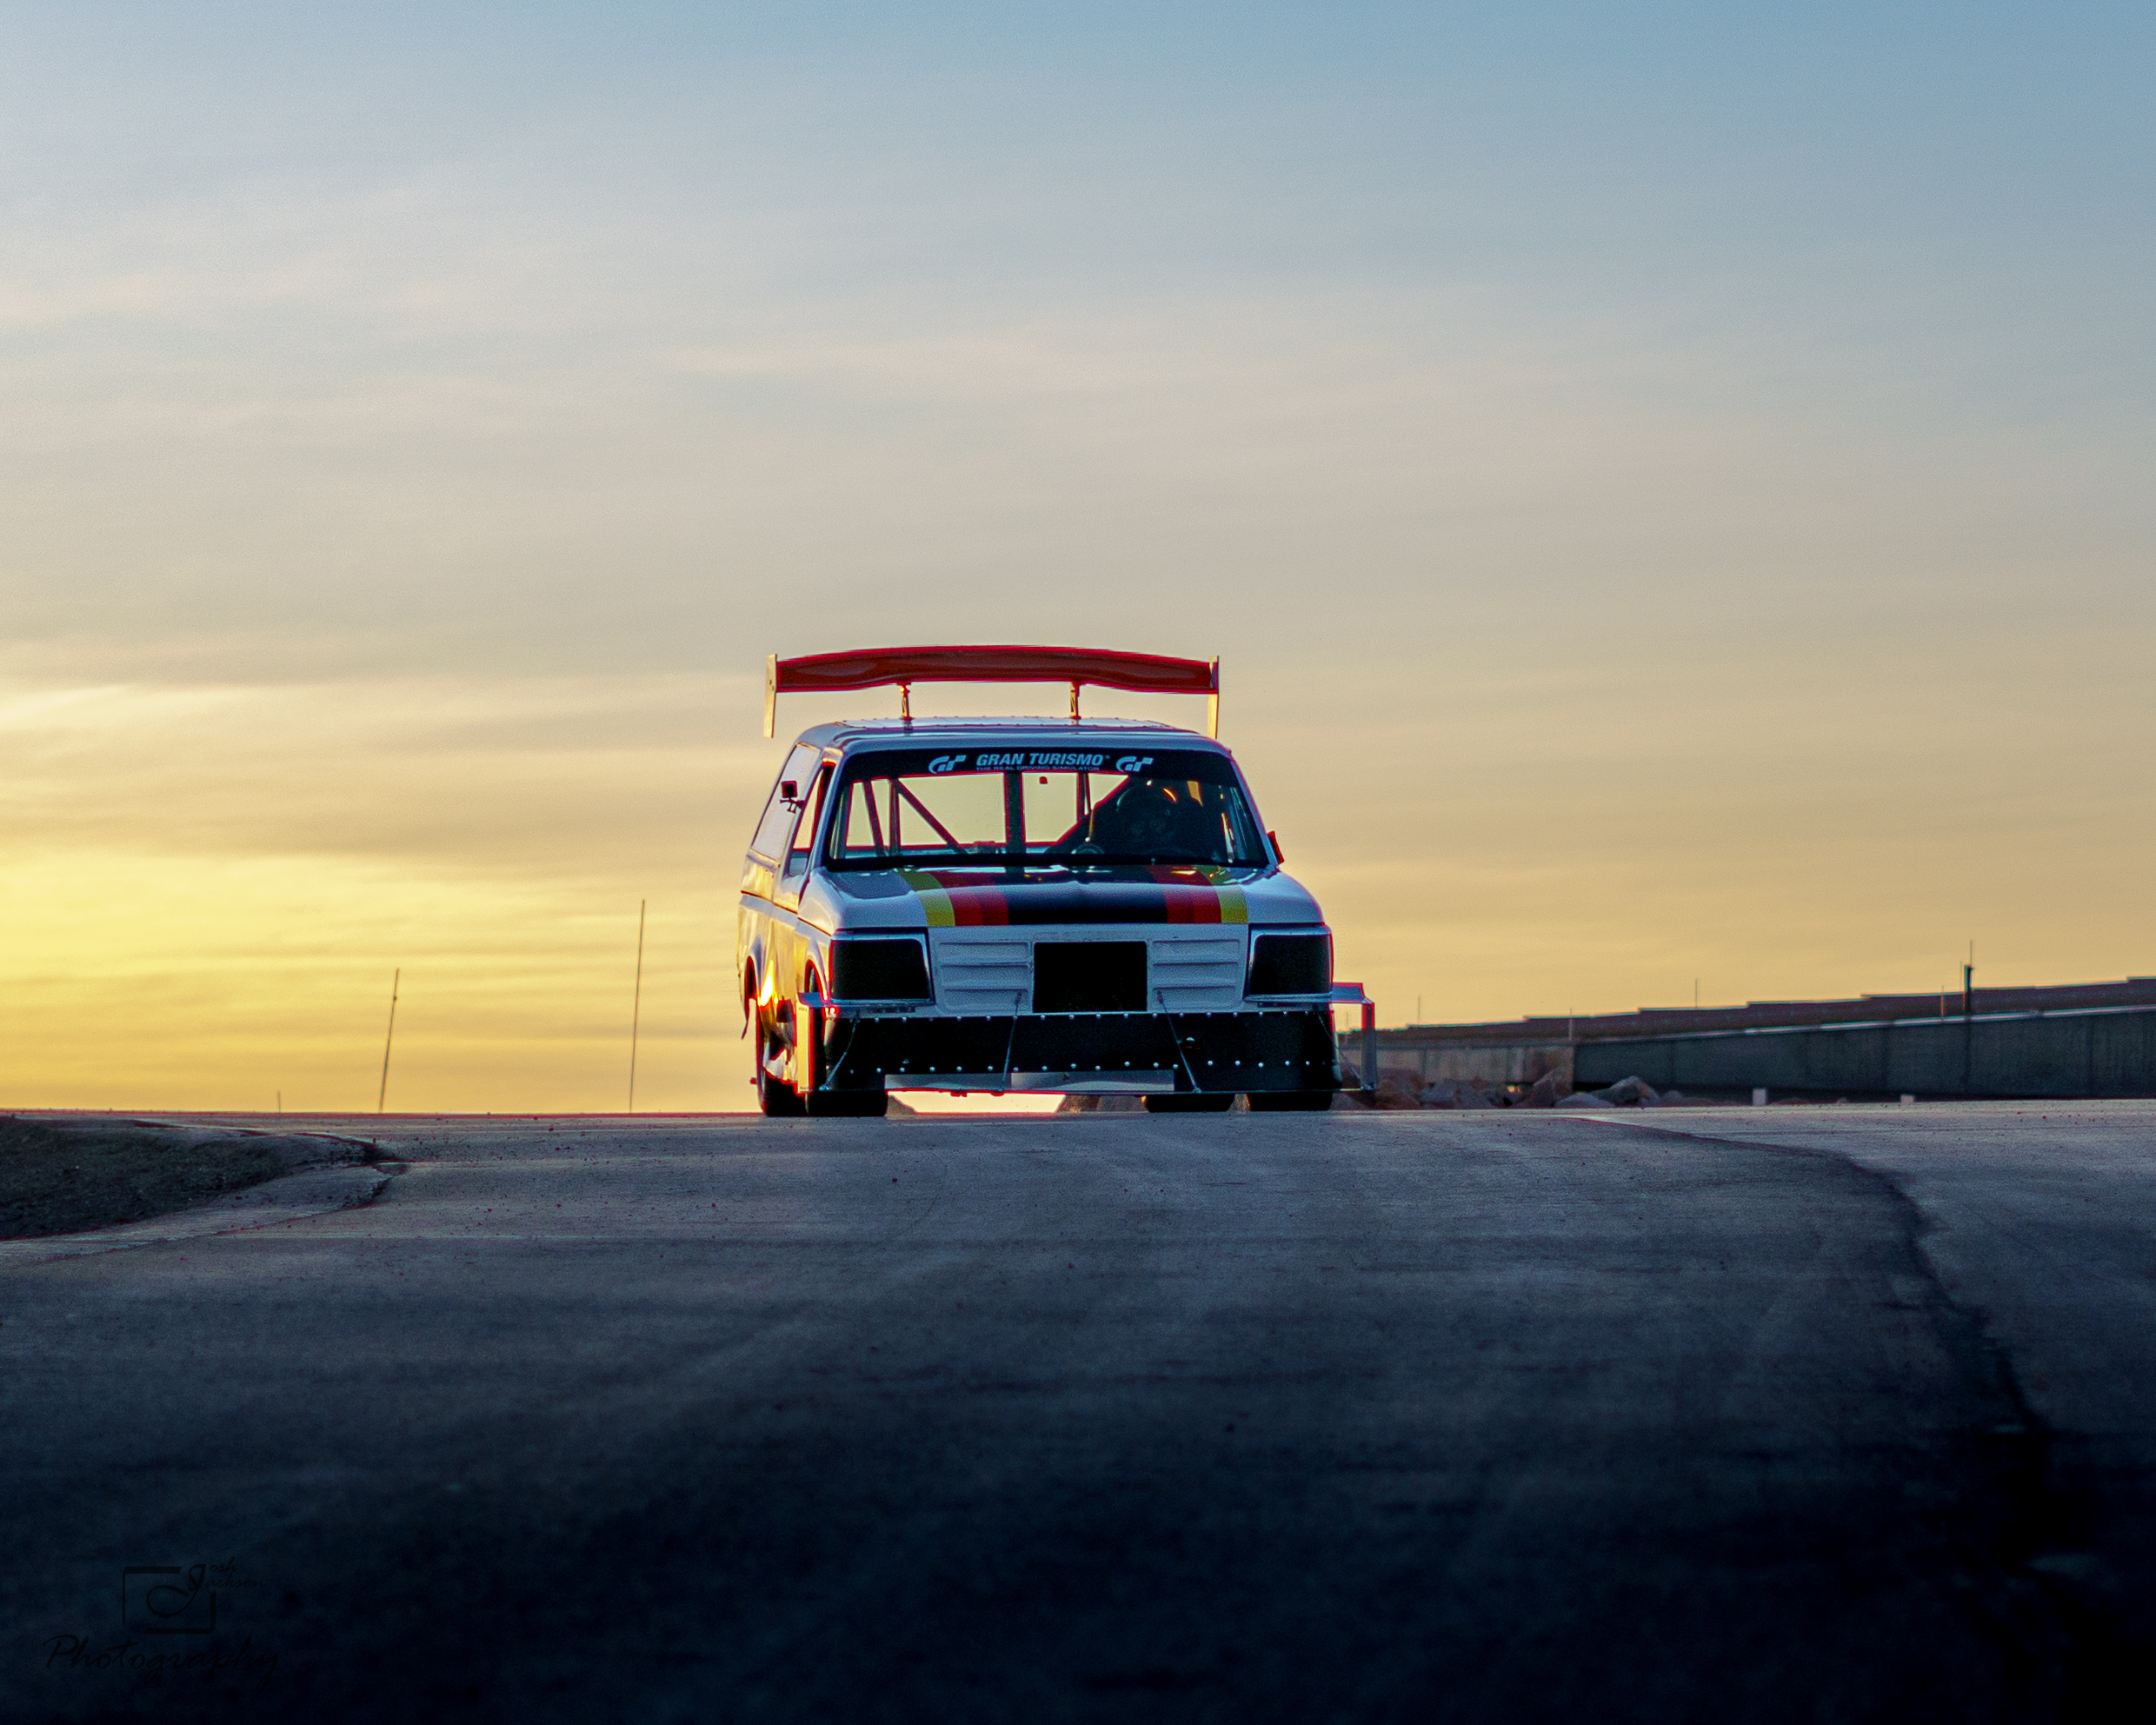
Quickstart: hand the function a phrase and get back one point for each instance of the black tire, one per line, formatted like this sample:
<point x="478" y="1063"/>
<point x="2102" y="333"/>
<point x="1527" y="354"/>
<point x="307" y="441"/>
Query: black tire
<point x="848" y="1104"/>
<point x="810" y="1073"/>
<point x="1191" y="1102"/>
<point x="779" y="1100"/>
<point x="1291" y="1102"/>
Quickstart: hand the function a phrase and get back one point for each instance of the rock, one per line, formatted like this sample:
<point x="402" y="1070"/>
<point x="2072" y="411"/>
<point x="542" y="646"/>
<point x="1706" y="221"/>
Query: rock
<point x="1584" y="1099"/>
<point x="1397" y="1089"/>
<point x="1545" y="1092"/>
<point x="1452" y="1093"/>
<point x="1108" y="1104"/>
<point x="1634" y="1092"/>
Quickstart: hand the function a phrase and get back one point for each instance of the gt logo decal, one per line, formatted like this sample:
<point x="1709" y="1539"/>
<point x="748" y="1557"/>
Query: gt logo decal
<point x="1131" y="763"/>
<point x="946" y="763"/>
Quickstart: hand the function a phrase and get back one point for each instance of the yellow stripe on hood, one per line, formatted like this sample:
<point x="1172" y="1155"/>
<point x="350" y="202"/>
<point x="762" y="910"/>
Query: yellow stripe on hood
<point x="935" y="903"/>
<point x="1235" y="908"/>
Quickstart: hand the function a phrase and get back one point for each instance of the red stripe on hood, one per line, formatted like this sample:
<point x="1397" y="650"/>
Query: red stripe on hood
<point x="1187" y="901"/>
<point x="980" y="906"/>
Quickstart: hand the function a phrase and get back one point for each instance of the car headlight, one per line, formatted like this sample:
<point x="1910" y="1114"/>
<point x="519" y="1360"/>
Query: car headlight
<point x="885" y="970"/>
<point x="1292" y="964"/>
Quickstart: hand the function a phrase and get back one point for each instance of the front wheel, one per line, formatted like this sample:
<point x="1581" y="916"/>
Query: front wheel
<point x="1291" y="1102"/>
<point x="811" y="1068"/>
<point x="778" y="1099"/>
<point x="1191" y="1102"/>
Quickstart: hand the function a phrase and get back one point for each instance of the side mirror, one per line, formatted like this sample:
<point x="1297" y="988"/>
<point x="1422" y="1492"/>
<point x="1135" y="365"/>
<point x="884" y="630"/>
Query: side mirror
<point x="1279" y="855"/>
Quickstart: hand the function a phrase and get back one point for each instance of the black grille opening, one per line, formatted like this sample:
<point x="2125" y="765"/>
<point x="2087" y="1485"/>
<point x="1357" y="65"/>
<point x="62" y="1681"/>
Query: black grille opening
<point x="1089" y="976"/>
<point x="878" y="970"/>
<point x="1291" y="964"/>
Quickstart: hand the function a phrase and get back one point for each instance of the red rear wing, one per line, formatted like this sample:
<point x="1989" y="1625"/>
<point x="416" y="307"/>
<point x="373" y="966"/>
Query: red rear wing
<point x="872" y="667"/>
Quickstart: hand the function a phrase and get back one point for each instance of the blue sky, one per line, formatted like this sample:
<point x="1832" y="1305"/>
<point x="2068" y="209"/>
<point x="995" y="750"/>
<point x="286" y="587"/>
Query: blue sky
<point x="1930" y="231"/>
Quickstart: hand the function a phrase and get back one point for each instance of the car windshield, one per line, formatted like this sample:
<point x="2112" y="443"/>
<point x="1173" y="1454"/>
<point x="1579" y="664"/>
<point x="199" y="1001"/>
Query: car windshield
<point x="1041" y="807"/>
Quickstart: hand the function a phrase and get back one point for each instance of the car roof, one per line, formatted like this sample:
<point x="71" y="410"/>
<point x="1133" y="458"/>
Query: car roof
<point x="1049" y="733"/>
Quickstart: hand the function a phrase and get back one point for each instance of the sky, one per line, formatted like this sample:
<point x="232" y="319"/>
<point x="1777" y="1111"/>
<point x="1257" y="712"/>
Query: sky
<point x="1670" y="491"/>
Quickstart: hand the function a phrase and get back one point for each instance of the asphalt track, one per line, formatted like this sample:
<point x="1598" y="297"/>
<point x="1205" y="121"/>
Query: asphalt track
<point x="1804" y="1415"/>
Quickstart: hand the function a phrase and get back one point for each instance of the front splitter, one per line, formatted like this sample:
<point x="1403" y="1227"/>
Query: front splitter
<point x="1100" y="1054"/>
<point x="1069" y="1084"/>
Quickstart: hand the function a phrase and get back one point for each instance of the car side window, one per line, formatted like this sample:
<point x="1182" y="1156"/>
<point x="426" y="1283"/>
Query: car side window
<point x="805" y="830"/>
<point x="776" y="830"/>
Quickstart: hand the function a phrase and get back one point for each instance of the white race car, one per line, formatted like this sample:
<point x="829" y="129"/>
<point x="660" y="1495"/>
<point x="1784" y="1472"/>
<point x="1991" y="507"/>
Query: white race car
<point x="1069" y="905"/>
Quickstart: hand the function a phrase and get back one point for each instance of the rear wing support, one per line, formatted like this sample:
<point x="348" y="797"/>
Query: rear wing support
<point x="875" y="667"/>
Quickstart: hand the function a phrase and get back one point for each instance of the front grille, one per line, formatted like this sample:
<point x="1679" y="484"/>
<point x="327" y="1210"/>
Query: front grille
<point x="1291" y="964"/>
<point x="1200" y="973"/>
<point x="973" y="976"/>
<point x="1089" y="976"/>
<point x="878" y="970"/>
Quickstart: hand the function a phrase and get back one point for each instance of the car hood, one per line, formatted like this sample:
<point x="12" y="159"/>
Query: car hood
<point x="946" y="898"/>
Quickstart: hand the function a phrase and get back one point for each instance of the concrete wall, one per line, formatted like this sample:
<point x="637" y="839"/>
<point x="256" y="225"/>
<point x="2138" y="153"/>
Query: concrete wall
<point x="2104" y="1053"/>
<point x="1492" y="1062"/>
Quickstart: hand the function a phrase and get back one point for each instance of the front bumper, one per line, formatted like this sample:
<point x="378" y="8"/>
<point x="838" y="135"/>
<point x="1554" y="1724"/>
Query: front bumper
<point x="1083" y="1053"/>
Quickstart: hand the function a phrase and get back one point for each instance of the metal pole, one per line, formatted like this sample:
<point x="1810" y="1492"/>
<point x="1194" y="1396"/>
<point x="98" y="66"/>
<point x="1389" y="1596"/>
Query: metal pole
<point x="382" y="1096"/>
<point x="1369" y="1046"/>
<point x="637" y="1006"/>
<point x="1968" y="1028"/>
